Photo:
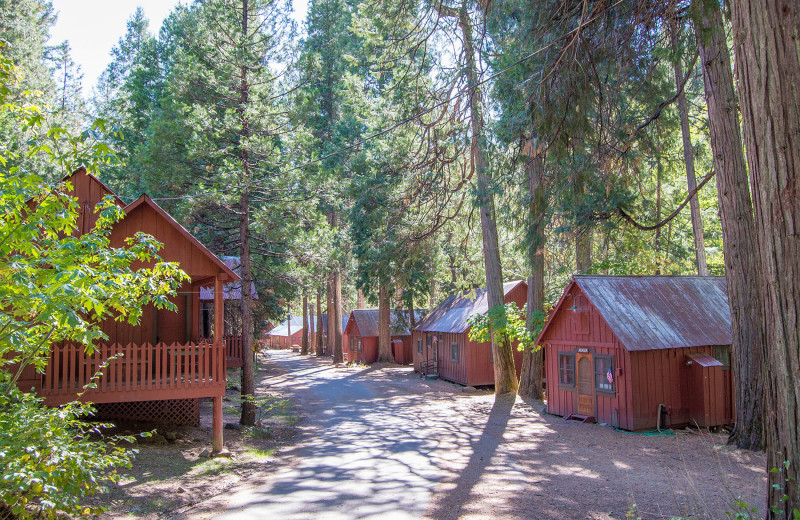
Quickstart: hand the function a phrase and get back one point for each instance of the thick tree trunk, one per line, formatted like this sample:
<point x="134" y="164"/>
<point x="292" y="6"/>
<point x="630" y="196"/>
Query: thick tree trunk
<point x="329" y="333"/>
<point x="304" y="341"/>
<point x="740" y="242"/>
<point x="412" y="320"/>
<point x="584" y="237"/>
<point x="248" y="417"/>
<point x="530" y="381"/>
<point x="337" y="323"/>
<point x="766" y="35"/>
<point x="505" y="378"/>
<point x="360" y="299"/>
<point x="384" y="323"/>
<point x="688" y="159"/>
<point x="319" y="345"/>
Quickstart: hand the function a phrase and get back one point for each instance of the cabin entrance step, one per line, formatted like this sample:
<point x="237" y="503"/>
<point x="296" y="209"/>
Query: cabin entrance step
<point x="581" y="418"/>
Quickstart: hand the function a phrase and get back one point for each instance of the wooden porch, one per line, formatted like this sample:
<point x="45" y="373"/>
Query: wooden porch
<point x="134" y="372"/>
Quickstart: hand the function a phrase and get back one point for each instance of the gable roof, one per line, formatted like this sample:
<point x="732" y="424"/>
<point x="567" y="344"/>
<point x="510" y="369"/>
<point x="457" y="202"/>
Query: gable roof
<point x="658" y="312"/>
<point x="452" y="314"/>
<point x="231" y="290"/>
<point x="107" y="191"/>
<point x="367" y="321"/>
<point x="144" y="200"/>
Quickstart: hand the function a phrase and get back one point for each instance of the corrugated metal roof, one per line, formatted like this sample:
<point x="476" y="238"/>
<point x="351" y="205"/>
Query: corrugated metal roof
<point x="452" y="314"/>
<point x="233" y="290"/>
<point x="367" y="321"/>
<point x="658" y="312"/>
<point x="297" y="323"/>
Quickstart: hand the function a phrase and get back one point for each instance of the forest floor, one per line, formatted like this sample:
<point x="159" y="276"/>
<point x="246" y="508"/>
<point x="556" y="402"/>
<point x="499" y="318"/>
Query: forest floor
<point x="169" y="474"/>
<point x="379" y="441"/>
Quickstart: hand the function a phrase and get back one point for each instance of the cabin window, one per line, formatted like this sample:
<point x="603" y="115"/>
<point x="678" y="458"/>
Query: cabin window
<point x="722" y="353"/>
<point x="430" y="340"/>
<point x="454" y="352"/>
<point x="419" y="346"/>
<point x="566" y="368"/>
<point x="358" y="343"/>
<point x="604" y="373"/>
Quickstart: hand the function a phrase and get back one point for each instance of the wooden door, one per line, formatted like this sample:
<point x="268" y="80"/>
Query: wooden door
<point x="583" y="362"/>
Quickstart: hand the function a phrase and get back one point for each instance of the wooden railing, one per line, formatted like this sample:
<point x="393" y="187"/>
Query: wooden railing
<point x="233" y="351"/>
<point x="429" y="367"/>
<point x="134" y="372"/>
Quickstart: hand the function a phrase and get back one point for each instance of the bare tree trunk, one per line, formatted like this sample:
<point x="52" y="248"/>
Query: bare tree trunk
<point x="248" y="416"/>
<point x="657" y="235"/>
<point x="740" y="242"/>
<point x="304" y="341"/>
<point x="766" y="35"/>
<point x="360" y="299"/>
<point x="384" y="323"/>
<point x="505" y="378"/>
<point x="412" y="320"/>
<point x="337" y="323"/>
<point x="329" y="332"/>
<point x="584" y="237"/>
<point x="530" y="381"/>
<point x="688" y="159"/>
<point x="320" y="349"/>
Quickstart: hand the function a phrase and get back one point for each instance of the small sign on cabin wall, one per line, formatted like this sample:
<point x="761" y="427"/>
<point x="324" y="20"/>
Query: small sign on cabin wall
<point x="583" y="350"/>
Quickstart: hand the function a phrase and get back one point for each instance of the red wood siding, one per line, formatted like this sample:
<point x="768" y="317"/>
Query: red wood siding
<point x="643" y="379"/>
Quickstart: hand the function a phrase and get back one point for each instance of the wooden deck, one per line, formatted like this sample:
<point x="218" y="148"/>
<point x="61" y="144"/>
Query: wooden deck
<point x="135" y="372"/>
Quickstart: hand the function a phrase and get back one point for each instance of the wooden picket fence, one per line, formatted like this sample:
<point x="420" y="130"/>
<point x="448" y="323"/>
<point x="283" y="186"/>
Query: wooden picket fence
<point x="135" y="372"/>
<point x="233" y="351"/>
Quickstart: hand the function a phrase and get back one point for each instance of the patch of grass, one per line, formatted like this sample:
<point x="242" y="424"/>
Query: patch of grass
<point x="256" y="452"/>
<point x="210" y="467"/>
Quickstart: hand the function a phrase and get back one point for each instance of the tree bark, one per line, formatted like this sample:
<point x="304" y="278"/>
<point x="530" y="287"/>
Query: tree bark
<point x="583" y="236"/>
<point x="766" y="35"/>
<point x="319" y="345"/>
<point x="688" y="159"/>
<point x="360" y="299"/>
<point x="384" y="323"/>
<point x="329" y="333"/>
<point x="530" y="381"/>
<point x="304" y="341"/>
<point x="740" y="242"/>
<point x="248" y="416"/>
<point x="505" y="379"/>
<point x="337" y="323"/>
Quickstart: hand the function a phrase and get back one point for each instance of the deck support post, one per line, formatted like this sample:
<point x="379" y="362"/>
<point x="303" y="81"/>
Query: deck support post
<point x="216" y="425"/>
<point x="219" y="324"/>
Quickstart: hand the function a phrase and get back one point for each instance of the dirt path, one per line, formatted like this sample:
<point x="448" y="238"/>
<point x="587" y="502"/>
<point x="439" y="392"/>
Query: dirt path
<point x="380" y="442"/>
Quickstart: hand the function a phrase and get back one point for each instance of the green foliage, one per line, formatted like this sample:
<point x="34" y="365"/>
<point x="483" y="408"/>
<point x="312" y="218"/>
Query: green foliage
<point x="507" y="323"/>
<point x="57" y="285"/>
<point x="52" y="459"/>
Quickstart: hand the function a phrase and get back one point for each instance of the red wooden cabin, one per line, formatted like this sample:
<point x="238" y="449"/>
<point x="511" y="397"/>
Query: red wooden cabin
<point x="639" y="352"/>
<point x="290" y="332"/>
<point x="441" y="344"/>
<point x="361" y="336"/>
<point x="165" y="365"/>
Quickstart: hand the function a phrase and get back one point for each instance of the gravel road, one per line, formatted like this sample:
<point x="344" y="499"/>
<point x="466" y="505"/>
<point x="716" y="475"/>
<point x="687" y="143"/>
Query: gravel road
<point x="379" y="442"/>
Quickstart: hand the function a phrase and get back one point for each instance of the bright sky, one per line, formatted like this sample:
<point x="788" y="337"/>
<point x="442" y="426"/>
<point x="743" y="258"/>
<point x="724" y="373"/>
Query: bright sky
<point x="93" y="27"/>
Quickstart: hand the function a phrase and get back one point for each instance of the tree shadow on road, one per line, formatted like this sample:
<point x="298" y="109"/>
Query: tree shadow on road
<point x="452" y="504"/>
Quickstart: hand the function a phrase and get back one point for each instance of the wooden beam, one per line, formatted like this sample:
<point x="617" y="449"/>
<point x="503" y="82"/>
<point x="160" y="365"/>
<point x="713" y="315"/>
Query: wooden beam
<point x="219" y="339"/>
<point x="216" y="425"/>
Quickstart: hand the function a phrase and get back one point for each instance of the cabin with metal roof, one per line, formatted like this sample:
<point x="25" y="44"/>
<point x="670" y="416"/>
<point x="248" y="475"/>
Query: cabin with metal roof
<point x="641" y="352"/>
<point x="361" y="335"/>
<point x="158" y="368"/>
<point x="289" y="332"/>
<point x="441" y="344"/>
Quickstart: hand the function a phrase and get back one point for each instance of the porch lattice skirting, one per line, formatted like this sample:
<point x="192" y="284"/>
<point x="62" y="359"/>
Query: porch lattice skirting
<point x="173" y="411"/>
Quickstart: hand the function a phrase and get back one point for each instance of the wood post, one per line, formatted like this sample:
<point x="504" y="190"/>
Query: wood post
<point x="216" y="425"/>
<point x="219" y="325"/>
